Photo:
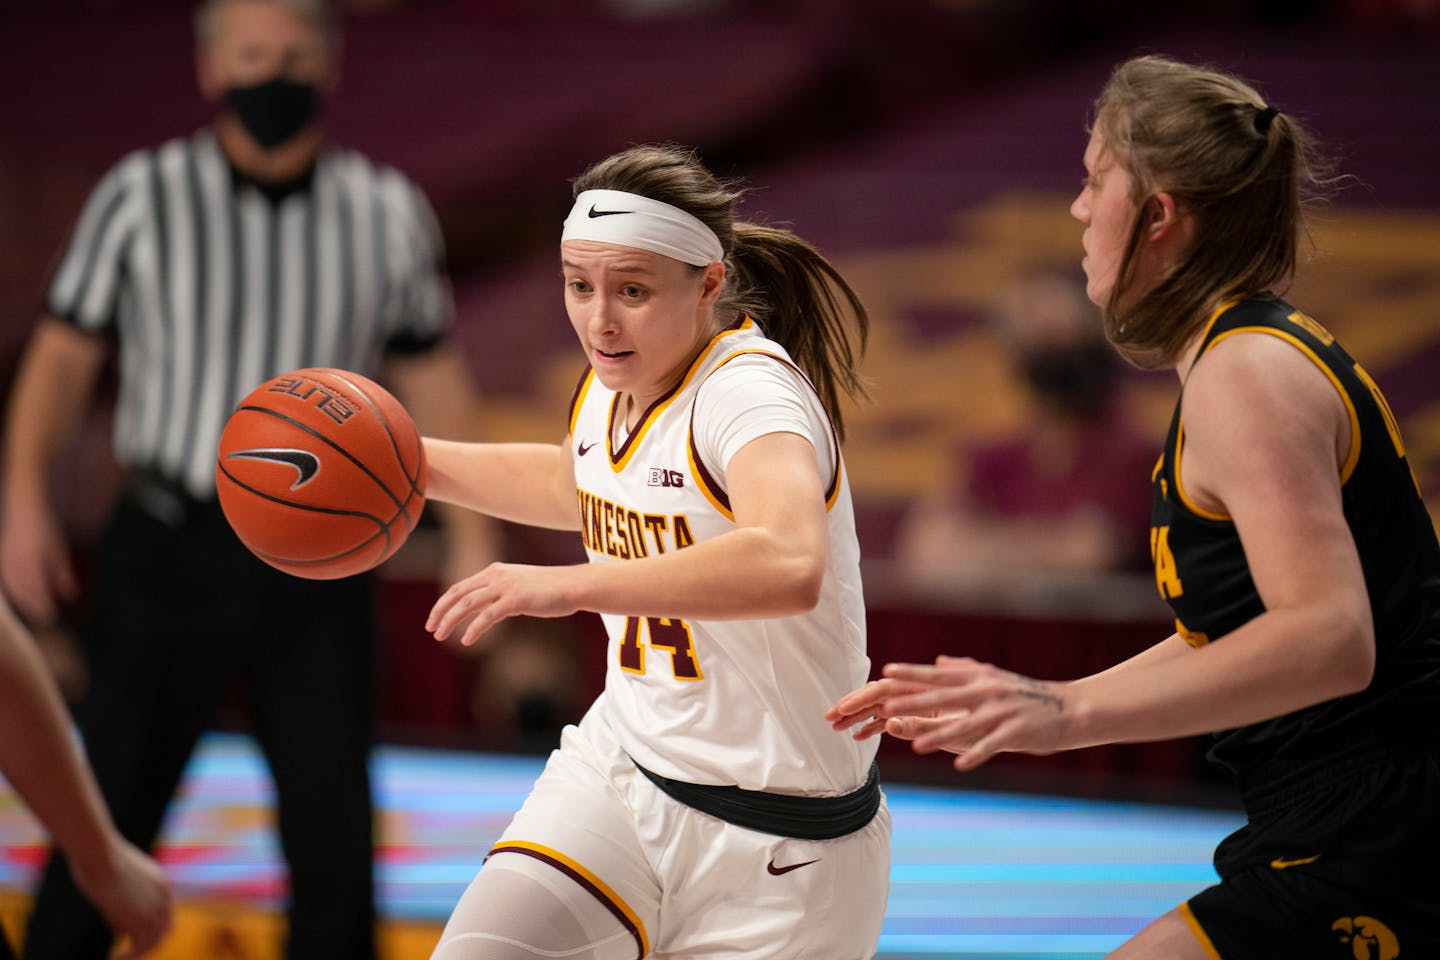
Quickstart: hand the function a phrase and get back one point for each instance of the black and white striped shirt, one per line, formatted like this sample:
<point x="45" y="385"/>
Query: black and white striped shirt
<point x="213" y="286"/>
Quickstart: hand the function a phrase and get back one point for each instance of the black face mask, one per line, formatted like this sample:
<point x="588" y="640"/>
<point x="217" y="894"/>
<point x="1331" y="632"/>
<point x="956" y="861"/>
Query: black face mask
<point x="1076" y="379"/>
<point x="274" y="111"/>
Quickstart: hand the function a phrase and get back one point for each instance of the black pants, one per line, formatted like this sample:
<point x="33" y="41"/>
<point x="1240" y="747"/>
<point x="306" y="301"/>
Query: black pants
<point x="181" y="610"/>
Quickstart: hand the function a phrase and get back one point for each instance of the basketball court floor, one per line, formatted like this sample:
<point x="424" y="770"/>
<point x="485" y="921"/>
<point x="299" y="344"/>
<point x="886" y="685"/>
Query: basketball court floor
<point x="975" y="874"/>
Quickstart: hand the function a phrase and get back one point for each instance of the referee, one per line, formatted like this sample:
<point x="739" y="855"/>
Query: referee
<point x="214" y="263"/>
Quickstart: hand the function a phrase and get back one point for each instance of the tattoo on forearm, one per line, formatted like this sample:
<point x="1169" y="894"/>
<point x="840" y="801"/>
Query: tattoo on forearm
<point x="1037" y="690"/>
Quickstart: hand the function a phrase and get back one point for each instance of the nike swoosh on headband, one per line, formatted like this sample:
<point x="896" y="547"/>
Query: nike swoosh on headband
<point x="604" y="213"/>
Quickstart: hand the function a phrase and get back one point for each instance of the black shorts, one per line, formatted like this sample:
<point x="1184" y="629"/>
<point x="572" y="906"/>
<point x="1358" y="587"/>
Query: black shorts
<point x="1340" y="866"/>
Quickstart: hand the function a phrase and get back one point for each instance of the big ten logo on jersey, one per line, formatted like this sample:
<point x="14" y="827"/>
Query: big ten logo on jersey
<point x="327" y="401"/>
<point x="660" y="477"/>
<point x="618" y="531"/>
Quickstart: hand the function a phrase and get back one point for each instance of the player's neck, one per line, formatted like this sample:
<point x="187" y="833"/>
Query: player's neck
<point x="283" y="163"/>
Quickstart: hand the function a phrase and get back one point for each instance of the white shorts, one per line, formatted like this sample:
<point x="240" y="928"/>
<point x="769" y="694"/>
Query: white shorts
<point x="687" y="884"/>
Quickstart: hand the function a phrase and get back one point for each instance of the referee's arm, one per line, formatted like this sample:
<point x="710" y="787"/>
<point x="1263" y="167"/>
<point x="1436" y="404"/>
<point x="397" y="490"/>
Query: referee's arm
<point x="51" y="394"/>
<point x="438" y="390"/>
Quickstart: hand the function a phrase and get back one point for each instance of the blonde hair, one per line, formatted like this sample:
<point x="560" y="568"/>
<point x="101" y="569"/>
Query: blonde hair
<point x="1241" y="169"/>
<point x="318" y="13"/>
<point x="775" y="277"/>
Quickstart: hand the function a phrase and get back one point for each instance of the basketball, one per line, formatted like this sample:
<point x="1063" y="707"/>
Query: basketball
<point x="321" y="473"/>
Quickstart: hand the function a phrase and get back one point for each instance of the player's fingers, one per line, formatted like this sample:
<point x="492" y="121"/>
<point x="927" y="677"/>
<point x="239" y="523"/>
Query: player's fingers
<point x="871" y="699"/>
<point x="978" y="753"/>
<point x="945" y="670"/>
<point x="498" y="605"/>
<point x="951" y="731"/>
<point x="911" y="727"/>
<point x="844" y="719"/>
<point x="910" y="672"/>
<point x="438" y="614"/>
<point x="458" y="594"/>
<point x="438" y="610"/>
<point x="874" y="727"/>
<point x="450" y="615"/>
<point x="933" y="701"/>
<point x="479" y="627"/>
<point x="994" y="733"/>
<point x="855" y="703"/>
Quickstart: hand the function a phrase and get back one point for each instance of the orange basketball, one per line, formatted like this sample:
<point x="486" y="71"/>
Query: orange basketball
<point x="321" y="473"/>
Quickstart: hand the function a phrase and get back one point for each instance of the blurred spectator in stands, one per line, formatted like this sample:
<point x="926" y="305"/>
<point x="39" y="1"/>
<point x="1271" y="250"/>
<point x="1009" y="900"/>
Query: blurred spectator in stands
<point x="1066" y="496"/>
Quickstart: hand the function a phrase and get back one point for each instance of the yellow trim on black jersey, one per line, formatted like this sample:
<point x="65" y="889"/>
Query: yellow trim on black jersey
<point x="652" y="413"/>
<point x="1180" y="432"/>
<point x="1210" y="324"/>
<point x="1352" y="456"/>
<point x="597" y="887"/>
<point x="1206" y="943"/>
<point x="1191" y="505"/>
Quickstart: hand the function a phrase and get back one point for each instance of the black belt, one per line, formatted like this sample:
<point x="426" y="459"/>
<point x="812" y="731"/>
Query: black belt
<point x="803" y="818"/>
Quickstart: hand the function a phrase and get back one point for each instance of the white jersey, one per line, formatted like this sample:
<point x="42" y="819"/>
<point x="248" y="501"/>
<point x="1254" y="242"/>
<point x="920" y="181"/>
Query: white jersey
<point x="724" y="702"/>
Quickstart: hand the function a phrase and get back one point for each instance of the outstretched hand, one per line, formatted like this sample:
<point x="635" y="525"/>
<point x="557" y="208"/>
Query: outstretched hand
<point x="972" y="709"/>
<point x="477" y="603"/>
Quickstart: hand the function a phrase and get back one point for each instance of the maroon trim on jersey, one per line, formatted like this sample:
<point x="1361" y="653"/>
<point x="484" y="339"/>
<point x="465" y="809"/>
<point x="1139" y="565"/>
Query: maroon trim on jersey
<point x="704" y="474"/>
<point x="643" y="424"/>
<point x="710" y="484"/>
<point x="577" y="395"/>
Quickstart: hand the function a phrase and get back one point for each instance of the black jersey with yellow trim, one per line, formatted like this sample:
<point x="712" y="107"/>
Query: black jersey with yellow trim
<point x="1201" y="570"/>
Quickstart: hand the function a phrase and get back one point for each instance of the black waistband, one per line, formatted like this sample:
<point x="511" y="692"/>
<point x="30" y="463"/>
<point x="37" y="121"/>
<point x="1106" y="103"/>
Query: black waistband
<point x="803" y="818"/>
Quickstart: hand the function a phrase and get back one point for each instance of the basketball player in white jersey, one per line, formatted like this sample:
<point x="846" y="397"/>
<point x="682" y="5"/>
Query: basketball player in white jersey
<point x="703" y="808"/>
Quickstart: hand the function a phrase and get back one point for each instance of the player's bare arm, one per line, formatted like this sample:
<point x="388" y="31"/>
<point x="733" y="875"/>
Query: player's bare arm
<point x="440" y="394"/>
<point x="1278" y="476"/>
<point x="51" y="393"/>
<point x="519" y="482"/>
<point x="771" y="564"/>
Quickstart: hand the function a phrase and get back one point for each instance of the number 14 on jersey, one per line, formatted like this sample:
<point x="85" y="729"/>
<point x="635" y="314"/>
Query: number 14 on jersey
<point x="663" y="632"/>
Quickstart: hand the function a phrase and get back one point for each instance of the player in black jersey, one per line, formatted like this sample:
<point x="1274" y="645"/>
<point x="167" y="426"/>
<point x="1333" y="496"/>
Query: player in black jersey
<point x="1289" y="538"/>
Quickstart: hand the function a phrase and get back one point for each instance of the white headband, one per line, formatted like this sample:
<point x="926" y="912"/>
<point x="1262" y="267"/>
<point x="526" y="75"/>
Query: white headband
<point x="630" y="220"/>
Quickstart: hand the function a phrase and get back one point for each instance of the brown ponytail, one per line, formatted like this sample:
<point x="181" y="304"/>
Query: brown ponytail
<point x="1242" y="169"/>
